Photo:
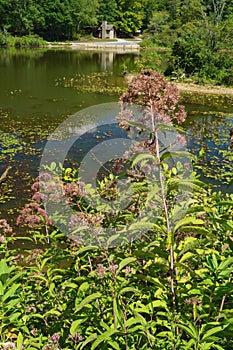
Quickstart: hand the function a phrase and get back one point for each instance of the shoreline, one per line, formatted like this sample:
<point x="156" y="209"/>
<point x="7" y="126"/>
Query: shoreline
<point x="118" y="44"/>
<point x="219" y="97"/>
<point x="204" y="89"/>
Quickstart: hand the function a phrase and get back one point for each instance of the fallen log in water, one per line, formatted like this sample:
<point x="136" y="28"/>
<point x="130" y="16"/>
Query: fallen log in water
<point x="3" y="177"/>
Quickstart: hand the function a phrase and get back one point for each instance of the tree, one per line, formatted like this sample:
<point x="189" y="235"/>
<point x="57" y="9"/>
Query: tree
<point x="19" y="17"/>
<point x="84" y="13"/>
<point x="129" y="16"/>
<point x="107" y="10"/>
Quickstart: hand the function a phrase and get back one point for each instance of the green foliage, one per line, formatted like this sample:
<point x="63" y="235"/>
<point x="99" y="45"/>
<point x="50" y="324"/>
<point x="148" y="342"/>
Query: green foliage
<point x="31" y="41"/>
<point x="200" y="35"/>
<point x="62" y="19"/>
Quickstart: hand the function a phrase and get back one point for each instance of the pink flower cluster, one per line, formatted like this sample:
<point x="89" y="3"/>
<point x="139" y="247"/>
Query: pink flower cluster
<point x="151" y="90"/>
<point x="33" y="215"/>
<point x="5" y="227"/>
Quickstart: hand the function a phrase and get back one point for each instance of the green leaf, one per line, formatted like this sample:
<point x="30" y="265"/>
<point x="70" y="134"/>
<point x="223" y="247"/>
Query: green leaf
<point x="19" y="341"/>
<point x="117" y="311"/>
<point x="212" y="331"/>
<point x="14" y="316"/>
<point x="11" y="304"/>
<point x="195" y="229"/>
<point x="4" y="268"/>
<point x="88" y="340"/>
<point x="53" y="166"/>
<point x="181" y="154"/>
<point x="86" y="301"/>
<point x="142" y="226"/>
<point x="75" y="326"/>
<point x="86" y="249"/>
<point x="53" y="312"/>
<point x="103" y="337"/>
<point x="10" y="292"/>
<point x="185" y="185"/>
<point x="124" y="263"/>
<point x="157" y="304"/>
<point x="143" y="156"/>
<point x="138" y="125"/>
<point x="225" y="263"/>
<point x="128" y="289"/>
<point x="132" y="321"/>
<point x="186" y="256"/>
<point x="190" y="330"/>
<point x="113" y="344"/>
<point x="188" y="221"/>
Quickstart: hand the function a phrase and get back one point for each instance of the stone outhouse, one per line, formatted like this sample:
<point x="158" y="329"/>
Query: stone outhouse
<point x="107" y="31"/>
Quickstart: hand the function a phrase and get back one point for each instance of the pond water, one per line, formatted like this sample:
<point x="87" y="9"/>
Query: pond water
<point x="34" y="100"/>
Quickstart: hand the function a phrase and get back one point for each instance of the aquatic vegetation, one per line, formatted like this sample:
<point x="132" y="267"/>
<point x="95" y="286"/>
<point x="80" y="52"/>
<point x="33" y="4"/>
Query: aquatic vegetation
<point x="215" y="101"/>
<point x="212" y="145"/>
<point x="97" y="82"/>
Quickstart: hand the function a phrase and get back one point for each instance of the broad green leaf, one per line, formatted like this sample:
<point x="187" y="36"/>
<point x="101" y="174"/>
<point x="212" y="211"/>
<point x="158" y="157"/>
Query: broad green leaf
<point x="196" y="229"/>
<point x="143" y="156"/>
<point x="103" y="337"/>
<point x="10" y="292"/>
<point x="132" y="321"/>
<point x="206" y="346"/>
<point x="212" y="331"/>
<point x="186" y="256"/>
<point x="89" y="340"/>
<point x="165" y="334"/>
<point x="19" y="341"/>
<point x="83" y="287"/>
<point x="128" y="289"/>
<point x="188" y="221"/>
<point x="114" y="344"/>
<point x="157" y="303"/>
<point x="53" y="312"/>
<point x="181" y="154"/>
<point x="112" y="239"/>
<point x="11" y="304"/>
<point x="225" y="263"/>
<point x="86" y="301"/>
<point x="4" y="268"/>
<point x="138" y="125"/>
<point x="117" y="311"/>
<point x="86" y="249"/>
<point x="124" y="263"/>
<point x="75" y="326"/>
<point x="141" y="226"/>
<point x="189" y="329"/>
<point x="217" y="347"/>
<point x="14" y="316"/>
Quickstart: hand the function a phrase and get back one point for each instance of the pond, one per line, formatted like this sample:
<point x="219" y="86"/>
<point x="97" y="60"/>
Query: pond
<point x="35" y="97"/>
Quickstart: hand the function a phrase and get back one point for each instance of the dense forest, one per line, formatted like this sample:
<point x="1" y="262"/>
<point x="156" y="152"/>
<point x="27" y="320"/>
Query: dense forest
<point x="164" y="19"/>
<point x="61" y="19"/>
<point x="198" y="33"/>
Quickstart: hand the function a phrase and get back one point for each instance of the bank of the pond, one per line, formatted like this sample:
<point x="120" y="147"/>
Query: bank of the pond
<point x="116" y="44"/>
<point x="205" y="89"/>
<point x="219" y="97"/>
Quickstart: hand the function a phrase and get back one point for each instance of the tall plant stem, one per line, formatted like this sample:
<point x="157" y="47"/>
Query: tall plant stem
<point x="223" y="299"/>
<point x="171" y="249"/>
<point x="172" y="259"/>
